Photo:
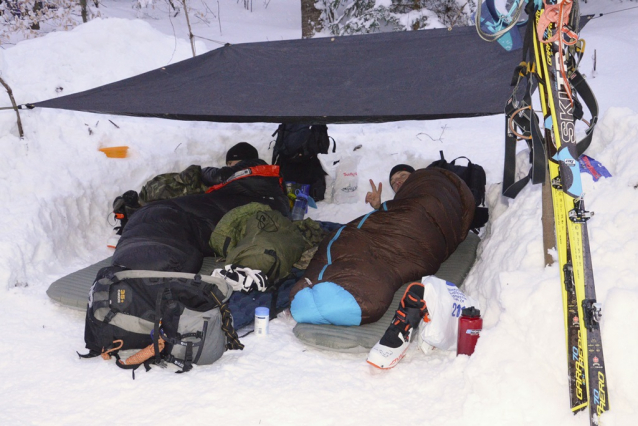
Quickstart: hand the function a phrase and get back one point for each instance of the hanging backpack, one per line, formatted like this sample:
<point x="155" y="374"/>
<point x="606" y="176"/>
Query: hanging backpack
<point x="474" y="176"/>
<point x="295" y="152"/>
<point x="170" y="317"/>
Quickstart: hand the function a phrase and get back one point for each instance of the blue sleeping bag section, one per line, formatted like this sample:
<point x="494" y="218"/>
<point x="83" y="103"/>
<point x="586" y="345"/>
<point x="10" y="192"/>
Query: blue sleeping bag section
<point x="326" y="303"/>
<point x="242" y="305"/>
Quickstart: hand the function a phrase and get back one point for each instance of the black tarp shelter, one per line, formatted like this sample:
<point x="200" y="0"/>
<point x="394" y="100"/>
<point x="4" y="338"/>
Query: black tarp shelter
<point x="413" y="75"/>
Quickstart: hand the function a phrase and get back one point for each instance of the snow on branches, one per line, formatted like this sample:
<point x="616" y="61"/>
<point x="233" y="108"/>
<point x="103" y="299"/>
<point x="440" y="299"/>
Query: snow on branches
<point x="20" y="19"/>
<point x="344" y="17"/>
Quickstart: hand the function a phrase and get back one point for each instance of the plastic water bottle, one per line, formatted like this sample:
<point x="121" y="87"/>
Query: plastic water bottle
<point x="262" y="321"/>
<point x="470" y="326"/>
<point x="301" y="203"/>
<point x="299" y="209"/>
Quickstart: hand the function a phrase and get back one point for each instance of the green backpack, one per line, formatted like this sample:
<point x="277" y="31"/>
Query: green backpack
<point x="257" y="237"/>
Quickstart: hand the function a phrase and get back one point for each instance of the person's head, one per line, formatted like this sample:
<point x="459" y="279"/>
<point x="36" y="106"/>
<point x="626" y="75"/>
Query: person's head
<point x="241" y="151"/>
<point x="399" y="174"/>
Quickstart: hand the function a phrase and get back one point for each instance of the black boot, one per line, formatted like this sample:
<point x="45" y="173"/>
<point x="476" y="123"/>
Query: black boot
<point x="396" y="340"/>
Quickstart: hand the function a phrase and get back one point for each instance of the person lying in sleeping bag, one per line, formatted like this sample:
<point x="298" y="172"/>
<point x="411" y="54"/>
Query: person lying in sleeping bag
<point x="398" y="176"/>
<point x="241" y="152"/>
<point x="352" y="278"/>
<point x="173" y="235"/>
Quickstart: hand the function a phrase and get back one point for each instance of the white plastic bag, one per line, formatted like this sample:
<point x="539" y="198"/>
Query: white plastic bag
<point x="329" y="163"/>
<point x="445" y="303"/>
<point x="347" y="180"/>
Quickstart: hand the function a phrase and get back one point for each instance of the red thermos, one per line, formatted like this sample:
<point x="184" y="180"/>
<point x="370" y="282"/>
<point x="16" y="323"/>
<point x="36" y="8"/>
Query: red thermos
<point x="470" y="326"/>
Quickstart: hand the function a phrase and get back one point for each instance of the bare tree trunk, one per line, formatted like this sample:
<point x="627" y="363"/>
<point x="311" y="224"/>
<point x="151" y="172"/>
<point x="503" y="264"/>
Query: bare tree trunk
<point x="309" y="19"/>
<point x="84" y="12"/>
<point x="37" y="6"/>
<point x="190" y="31"/>
<point x="15" y="106"/>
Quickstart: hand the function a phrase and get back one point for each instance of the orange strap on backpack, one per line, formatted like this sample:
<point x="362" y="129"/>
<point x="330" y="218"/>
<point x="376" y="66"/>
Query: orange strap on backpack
<point x="263" y="170"/>
<point x="144" y="354"/>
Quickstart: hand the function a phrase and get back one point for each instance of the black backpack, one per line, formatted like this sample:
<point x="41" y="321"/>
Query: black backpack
<point x="295" y="152"/>
<point x="474" y="176"/>
<point x="182" y="317"/>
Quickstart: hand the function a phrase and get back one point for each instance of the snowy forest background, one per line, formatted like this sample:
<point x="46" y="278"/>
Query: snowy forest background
<point x="32" y="18"/>
<point x="203" y="19"/>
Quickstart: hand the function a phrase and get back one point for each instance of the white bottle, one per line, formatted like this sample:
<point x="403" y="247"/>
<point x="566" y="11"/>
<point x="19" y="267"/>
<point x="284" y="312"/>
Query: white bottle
<point x="262" y="321"/>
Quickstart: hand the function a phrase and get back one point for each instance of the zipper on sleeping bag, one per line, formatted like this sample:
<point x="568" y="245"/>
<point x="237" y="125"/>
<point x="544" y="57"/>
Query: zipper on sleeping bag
<point x="320" y="277"/>
<point x="329" y="256"/>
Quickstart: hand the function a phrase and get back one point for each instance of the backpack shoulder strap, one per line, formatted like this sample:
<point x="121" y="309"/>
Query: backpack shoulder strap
<point x="279" y="142"/>
<point x="334" y="144"/>
<point x="453" y="162"/>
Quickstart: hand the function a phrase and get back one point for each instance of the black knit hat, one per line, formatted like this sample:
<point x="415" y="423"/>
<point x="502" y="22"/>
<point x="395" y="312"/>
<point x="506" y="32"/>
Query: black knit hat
<point x="400" y="168"/>
<point x="242" y="151"/>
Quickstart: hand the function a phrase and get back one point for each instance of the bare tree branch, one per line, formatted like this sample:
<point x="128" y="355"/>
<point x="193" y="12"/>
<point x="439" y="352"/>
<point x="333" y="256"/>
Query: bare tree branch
<point x="440" y="139"/>
<point x="15" y="107"/>
<point x="190" y="30"/>
<point x="219" y="18"/>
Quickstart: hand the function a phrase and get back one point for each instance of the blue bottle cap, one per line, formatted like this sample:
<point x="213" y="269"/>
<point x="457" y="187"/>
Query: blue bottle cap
<point x="262" y="311"/>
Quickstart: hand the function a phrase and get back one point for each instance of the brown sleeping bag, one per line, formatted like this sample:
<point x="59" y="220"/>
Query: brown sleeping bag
<point x="356" y="271"/>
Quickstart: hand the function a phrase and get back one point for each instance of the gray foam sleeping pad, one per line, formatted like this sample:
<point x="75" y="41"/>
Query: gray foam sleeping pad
<point x="73" y="289"/>
<point x="359" y="339"/>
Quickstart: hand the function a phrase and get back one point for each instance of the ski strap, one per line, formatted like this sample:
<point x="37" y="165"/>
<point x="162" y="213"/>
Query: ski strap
<point x="584" y="91"/>
<point x="519" y="114"/>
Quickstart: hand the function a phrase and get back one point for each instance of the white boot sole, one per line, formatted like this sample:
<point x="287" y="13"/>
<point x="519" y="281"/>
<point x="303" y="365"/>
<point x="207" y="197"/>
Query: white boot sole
<point x="383" y="357"/>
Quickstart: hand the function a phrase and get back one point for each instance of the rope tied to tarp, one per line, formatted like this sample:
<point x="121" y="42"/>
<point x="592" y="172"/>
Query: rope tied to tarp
<point x="600" y="15"/>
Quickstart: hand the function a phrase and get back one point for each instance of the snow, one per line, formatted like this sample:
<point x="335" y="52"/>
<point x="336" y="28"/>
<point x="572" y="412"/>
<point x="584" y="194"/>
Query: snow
<point x="57" y="190"/>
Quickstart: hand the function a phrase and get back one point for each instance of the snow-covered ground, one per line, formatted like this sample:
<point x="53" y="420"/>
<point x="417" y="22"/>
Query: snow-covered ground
<point x="57" y="190"/>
